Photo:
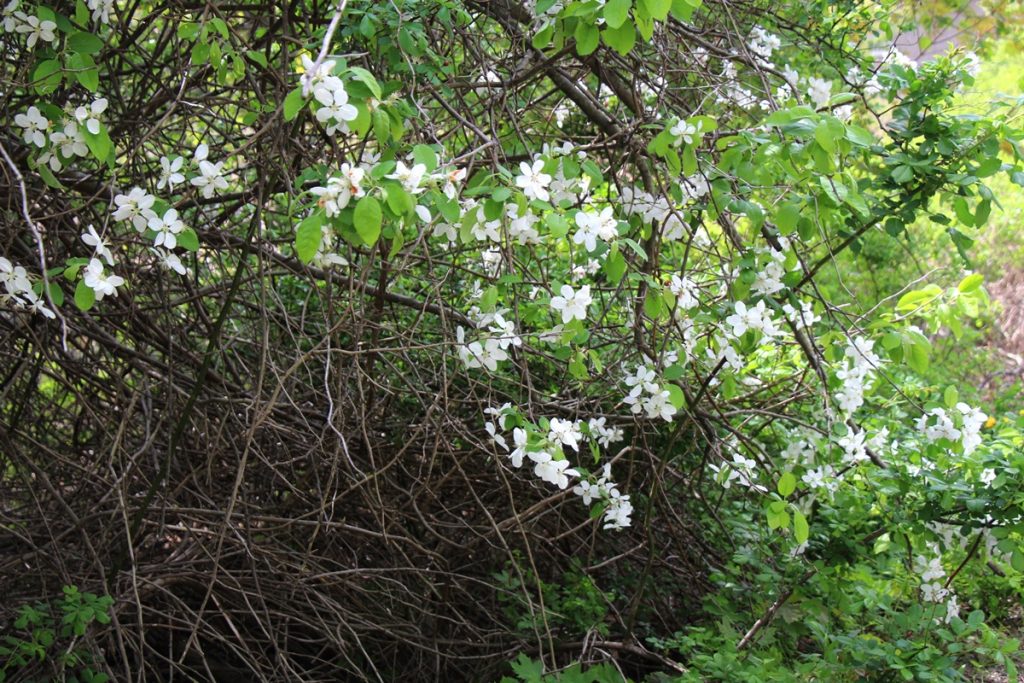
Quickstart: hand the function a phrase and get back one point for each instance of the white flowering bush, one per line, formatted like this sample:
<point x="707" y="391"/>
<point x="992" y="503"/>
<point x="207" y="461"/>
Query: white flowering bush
<point x="319" y="319"/>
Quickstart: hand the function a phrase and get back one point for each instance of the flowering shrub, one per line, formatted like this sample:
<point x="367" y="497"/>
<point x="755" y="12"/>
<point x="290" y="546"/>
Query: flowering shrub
<point x="347" y="309"/>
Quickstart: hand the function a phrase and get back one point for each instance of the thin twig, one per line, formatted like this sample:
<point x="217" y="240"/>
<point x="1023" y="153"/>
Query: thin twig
<point x="20" y="179"/>
<point x="307" y="78"/>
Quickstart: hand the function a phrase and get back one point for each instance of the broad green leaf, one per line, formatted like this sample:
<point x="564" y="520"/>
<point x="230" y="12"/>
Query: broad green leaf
<point x="368" y="79"/>
<point x="621" y="39"/>
<point x="801" y="530"/>
<point x="399" y="201"/>
<point x="308" y="236"/>
<point x="950" y="396"/>
<point x="85" y="43"/>
<point x="293" y="102"/>
<point x="658" y="9"/>
<point x="787" y="484"/>
<point x="786" y="217"/>
<point x="614" y="266"/>
<point x="85" y="297"/>
<point x="99" y="143"/>
<point x="616" y="12"/>
<point x="587" y="37"/>
<point x="970" y="283"/>
<point x="367" y="219"/>
<point x="188" y="240"/>
<point x="422" y="154"/>
<point x="676" y="396"/>
<point x="47" y="76"/>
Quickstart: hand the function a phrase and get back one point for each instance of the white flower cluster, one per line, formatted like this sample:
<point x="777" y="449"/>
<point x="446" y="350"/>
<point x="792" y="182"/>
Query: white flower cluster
<point x="211" y="175"/>
<point x="136" y="208"/>
<point x="763" y="44"/>
<point x="804" y="318"/>
<point x="30" y="25"/>
<point x="771" y="269"/>
<point x="547" y="453"/>
<point x="758" y="318"/>
<point x="18" y="289"/>
<point x="638" y="202"/>
<point x="936" y="425"/>
<point x="595" y="226"/>
<point x="491" y="350"/>
<point x="686" y="292"/>
<point x="819" y="91"/>
<point x="339" y="189"/>
<point x="618" y="509"/>
<point x="740" y="470"/>
<point x="857" y="374"/>
<point x="533" y="181"/>
<point x="932" y="572"/>
<point x="572" y="304"/>
<point x="329" y="92"/>
<point x="647" y="396"/>
<point x="684" y="132"/>
<point x="101" y="10"/>
<point x="66" y="141"/>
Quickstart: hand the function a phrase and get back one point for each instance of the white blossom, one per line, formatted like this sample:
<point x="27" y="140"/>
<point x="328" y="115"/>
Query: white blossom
<point x="572" y="304"/>
<point x="170" y="173"/>
<point x="89" y="115"/>
<point x="533" y="180"/>
<point x="136" y="206"/>
<point x="100" y="248"/>
<point x="98" y="281"/>
<point x="35" y="125"/>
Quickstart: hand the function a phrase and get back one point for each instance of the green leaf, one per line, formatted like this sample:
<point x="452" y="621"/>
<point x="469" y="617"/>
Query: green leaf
<point x="593" y="170"/>
<point x="293" y="103"/>
<point x="654" y="305"/>
<point x="85" y="71"/>
<point x="658" y="9"/>
<point x="676" y="396"/>
<point x="84" y="43"/>
<point x="557" y="225"/>
<point x="85" y="297"/>
<point x="367" y="78"/>
<point x="614" y="265"/>
<point x="542" y="38"/>
<point x="1017" y="559"/>
<point x="825" y="136"/>
<point x="399" y="201"/>
<point x="786" y="217"/>
<point x="982" y="212"/>
<point x="903" y="174"/>
<point x="970" y="283"/>
<point x="99" y="143"/>
<point x="423" y="154"/>
<point x="47" y="76"/>
<point x="673" y="372"/>
<point x="188" y="240"/>
<point x="489" y="299"/>
<point x="587" y="37"/>
<point x="621" y="39"/>
<point x="859" y="136"/>
<point x="787" y="484"/>
<point x="918" y="298"/>
<point x="801" y="530"/>
<point x="950" y="396"/>
<point x="308" y="236"/>
<point x="367" y="219"/>
<point x="916" y="354"/>
<point x="616" y="12"/>
<point x="51" y="181"/>
<point x="257" y="57"/>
